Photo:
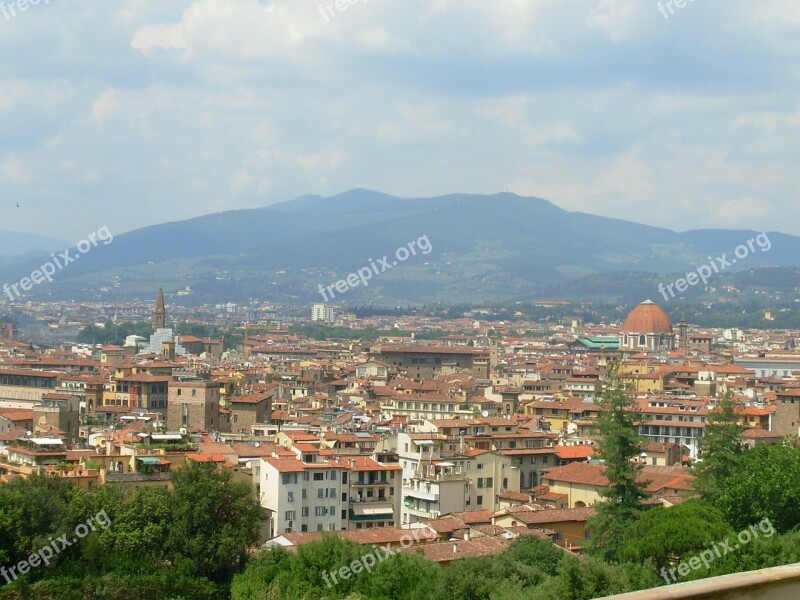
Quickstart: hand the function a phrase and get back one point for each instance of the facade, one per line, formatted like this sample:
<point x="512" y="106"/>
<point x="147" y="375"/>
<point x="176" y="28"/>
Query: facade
<point x="302" y="496"/>
<point x="426" y="362"/>
<point x="249" y="410"/>
<point x="61" y="411"/>
<point x="375" y="492"/>
<point x="194" y="406"/>
<point x="322" y="312"/>
<point x="438" y="479"/>
<point x="21" y="388"/>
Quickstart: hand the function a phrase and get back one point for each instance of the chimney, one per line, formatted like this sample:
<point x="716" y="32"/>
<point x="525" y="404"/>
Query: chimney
<point x="455" y="548"/>
<point x="466" y="536"/>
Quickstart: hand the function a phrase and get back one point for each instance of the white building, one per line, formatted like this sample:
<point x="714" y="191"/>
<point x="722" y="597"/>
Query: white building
<point x="439" y="479"/>
<point x="303" y="496"/>
<point x="322" y="312"/>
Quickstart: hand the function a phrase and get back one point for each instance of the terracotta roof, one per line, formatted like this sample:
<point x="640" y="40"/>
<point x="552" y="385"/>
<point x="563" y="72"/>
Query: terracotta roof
<point x="647" y="317"/>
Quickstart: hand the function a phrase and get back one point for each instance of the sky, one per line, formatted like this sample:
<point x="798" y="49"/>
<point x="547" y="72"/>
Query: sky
<point x="128" y="113"/>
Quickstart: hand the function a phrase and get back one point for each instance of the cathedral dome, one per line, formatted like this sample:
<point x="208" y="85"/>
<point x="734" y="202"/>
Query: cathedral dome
<point x="647" y="317"/>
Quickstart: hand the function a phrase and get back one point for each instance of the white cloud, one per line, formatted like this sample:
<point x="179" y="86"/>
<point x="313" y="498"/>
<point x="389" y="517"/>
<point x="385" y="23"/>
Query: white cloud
<point x="189" y="107"/>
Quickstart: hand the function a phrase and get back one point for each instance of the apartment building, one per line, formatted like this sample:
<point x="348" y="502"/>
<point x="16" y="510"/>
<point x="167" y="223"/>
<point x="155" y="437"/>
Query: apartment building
<point x="302" y="496"/>
<point x="438" y="478"/>
<point x="375" y="492"/>
<point x="673" y="421"/>
<point x="21" y="388"/>
<point x="419" y="407"/>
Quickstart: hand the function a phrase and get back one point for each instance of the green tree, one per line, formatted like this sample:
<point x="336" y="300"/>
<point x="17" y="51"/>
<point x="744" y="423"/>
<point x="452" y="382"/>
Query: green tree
<point x="593" y="578"/>
<point x="719" y="449"/>
<point x="619" y="446"/>
<point x="666" y="535"/>
<point x="406" y="576"/>
<point x="214" y="522"/>
<point x="763" y="483"/>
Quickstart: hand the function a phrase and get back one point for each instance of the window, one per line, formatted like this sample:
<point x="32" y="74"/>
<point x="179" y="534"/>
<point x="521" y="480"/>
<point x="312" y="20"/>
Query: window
<point x="320" y="511"/>
<point x="332" y="511"/>
<point x="288" y="515"/>
<point x="480" y="482"/>
<point x="480" y="466"/>
<point x="333" y="475"/>
<point x="288" y="478"/>
<point x="304" y="511"/>
<point x="489" y="482"/>
<point x="319" y="476"/>
<point x="332" y="493"/>
<point x="304" y="493"/>
<point x="344" y="477"/>
<point x="290" y="497"/>
<point x="321" y="493"/>
<point x="479" y="501"/>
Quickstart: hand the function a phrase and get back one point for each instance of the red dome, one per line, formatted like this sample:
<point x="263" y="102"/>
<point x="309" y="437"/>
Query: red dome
<point x="648" y="317"/>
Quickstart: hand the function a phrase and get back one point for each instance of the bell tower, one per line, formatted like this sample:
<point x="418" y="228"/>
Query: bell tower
<point x="160" y="314"/>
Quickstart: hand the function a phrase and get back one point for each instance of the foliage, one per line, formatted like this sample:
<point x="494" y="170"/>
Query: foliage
<point x="761" y="553"/>
<point x="114" y="334"/>
<point x="593" y="578"/>
<point x="666" y="535"/>
<point x="142" y="542"/>
<point x="406" y="576"/>
<point x="619" y="446"/>
<point x="213" y="522"/>
<point x="719" y="449"/>
<point x="764" y="483"/>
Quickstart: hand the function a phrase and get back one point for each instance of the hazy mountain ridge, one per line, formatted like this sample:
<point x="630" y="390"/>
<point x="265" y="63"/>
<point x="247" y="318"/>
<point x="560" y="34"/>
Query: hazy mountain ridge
<point x="485" y="248"/>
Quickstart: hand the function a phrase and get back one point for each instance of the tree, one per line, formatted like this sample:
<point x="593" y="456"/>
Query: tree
<point x="619" y="446"/>
<point x="593" y="578"/>
<point x="666" y="535"/>
<point x="406" y="576"/>
<point x="214" y="521"/>
<point x="764" y="483"/>
<point x="719" y="449"/>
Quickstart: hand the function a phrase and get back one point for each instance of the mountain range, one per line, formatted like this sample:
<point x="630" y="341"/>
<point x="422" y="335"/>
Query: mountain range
<point x="483" y="249"/>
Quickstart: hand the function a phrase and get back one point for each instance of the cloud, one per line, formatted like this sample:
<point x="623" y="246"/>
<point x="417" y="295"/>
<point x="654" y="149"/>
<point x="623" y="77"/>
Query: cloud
<point x="187" y="107"/>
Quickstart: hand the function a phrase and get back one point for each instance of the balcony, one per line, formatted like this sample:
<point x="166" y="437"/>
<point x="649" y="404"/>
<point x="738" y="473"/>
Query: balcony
<point x="455" y="476"/>
<point x="413" y="493"/>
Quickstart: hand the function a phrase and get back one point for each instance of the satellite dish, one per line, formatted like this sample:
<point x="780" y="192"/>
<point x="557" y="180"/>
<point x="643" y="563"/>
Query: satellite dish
<point x="485" y="413"/>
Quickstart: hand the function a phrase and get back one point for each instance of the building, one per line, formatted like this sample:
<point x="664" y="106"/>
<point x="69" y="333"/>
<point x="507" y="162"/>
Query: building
<point x="249" y="410"/>
<point x="302" y="496"/>
<point x="322" y="312"/>
<point x="438" y="478"/>
<point x="163" y="337"/>
<point x="647" y="328"/>
<point x="61" y="411"/>
<point x="21" y="388"/>
<point x="427" y="362"/>
<point x="375" y="492"/>
<point x="194" y="406"/>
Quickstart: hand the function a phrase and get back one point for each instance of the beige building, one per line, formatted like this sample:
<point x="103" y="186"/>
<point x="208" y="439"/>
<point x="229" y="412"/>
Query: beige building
<point x="194" y="406"/>
<point x="249" y="410"/>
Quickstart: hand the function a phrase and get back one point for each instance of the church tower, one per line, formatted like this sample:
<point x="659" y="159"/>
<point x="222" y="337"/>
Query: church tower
<point x="160" y="315"/>
<point x="683" y="333"/>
